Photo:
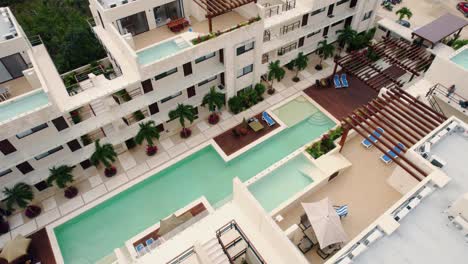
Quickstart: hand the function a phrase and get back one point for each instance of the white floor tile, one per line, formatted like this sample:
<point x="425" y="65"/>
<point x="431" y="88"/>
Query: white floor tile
<point x="167" y="143"/>
<point x="279" y="86"/>
<point x="276" y="98"/>
<point x="212" y="132"/>
<point x="47" y="217"/>
<point x="49" y="204"/>
<point x="288" y="92"/>
<point x="203" y="125"/>
<point x="225" y="114"/>
<point x="245" y="114"/>
<point x="260" y="107"/>
<point x="177" y="150"/>
<point x="126" y="160"/>
<point x="158" y="159"/>
<point x="94" y="193"/>
<point x="25" y="229"/>
<point x="15" y="220"/>
<point x="71" y="205"/>
<point x="195" y="140"/>
<point x="95" y="180"/>
<point x="116" y="181"/>
<point x="138" y="170"/>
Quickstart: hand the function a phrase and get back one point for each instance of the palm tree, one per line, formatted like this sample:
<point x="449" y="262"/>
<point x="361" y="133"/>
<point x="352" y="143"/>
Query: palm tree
<point x="183" y="112"/>
<point x="325" y="51"/>
<point x="148" y="131"/>
<point x="215" y="100"/>
<point x="62" y="176"/>
<point x="300" y="63"/>
<point x="458" y="43"/>
<point x="21" y="195"/>
<point x="345" y="36"/>
<point x="404" y="12"/>
<point x="106" y="155"/>
<point x="275" y="72"/>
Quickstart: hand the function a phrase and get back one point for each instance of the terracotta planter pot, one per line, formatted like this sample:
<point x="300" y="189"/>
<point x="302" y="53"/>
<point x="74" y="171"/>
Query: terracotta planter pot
<point x="213" y="119"/>
<point x="151" y="150"/>
<point x="109" y="172"/>
<point x="271" y="91"/>
<point x="32" y="211"/>
<point x="185" y="133"/>
<point x="318" y="67"/>
<point x="4" y="227"/>
<point x="295" y="79"/>
<point x="71" y="192"/>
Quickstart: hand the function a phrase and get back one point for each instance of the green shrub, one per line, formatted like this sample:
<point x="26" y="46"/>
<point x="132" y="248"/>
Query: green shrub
<point x="325" y="144"/>
<point x="69" y="79"/>
<point x="260" y="89"/>
<point x="235" y="104"/>
<point x="86" y="140"/>
<point x="138" y="115"/>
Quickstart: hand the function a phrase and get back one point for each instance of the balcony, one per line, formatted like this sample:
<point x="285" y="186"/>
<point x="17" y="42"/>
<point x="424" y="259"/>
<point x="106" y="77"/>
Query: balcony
<point x="78" y="81"/>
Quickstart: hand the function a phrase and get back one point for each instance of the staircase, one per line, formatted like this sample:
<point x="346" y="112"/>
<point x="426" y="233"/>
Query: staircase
<point x="215" y="252"/>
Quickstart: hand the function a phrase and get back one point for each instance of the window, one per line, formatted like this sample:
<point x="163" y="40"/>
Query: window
<point x="243" y="49"/>
<point x="86" y="164"/>
<point x="60" y="123"/>
<point x="246" y="70"/>
<point x="243" y="90"/>
<point x="165" y="74"/>
<point x="25" y="167"/>
<point x="314" y="33"/>
<point x="290" y="27"/>
<point x="265" y="58"/>
<point x="287" y="49"/>
<point x="6" y="147"/>
<point x="204" y="58"/>
<point x="48" y="153"/>
<point x="318" y="11"/>
<point x="170" y="97"/>
<point x="74" y="145"/>
<point x="31" y="131"/>
<point x="207" y="81"/>
<point x="367" y="15"/>
<point x="337" y="23"/>
<point x="341" y="2"/>
<point x="5" y="172"/>
<point x="42" y="185"/>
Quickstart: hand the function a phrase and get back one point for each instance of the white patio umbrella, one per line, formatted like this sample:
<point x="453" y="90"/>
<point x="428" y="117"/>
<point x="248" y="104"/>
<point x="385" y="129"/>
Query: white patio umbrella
<point x="325" y="222"/>
<point x="15" y="248"/>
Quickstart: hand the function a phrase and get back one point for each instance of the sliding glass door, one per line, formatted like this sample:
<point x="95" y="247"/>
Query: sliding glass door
<point x="172" y="10"/>
<point x="12" y="67"/>
<point x="134" y="24"/>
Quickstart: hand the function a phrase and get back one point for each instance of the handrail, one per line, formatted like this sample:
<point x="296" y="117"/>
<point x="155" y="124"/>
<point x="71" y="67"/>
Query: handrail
<point x="454" y="97"/>
<point x="35" y="40"/>
<point x="182" y="256"/>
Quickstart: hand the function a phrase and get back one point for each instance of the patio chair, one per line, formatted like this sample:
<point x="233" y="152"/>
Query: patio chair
<point x="342" y="210"/>
<point x="374" y="138"/>
<point x="150" y="243"/>
<point x="267" y="118"/>
<point x="344" y="81"/>
<point x="392" y="153"/>
<point x="304" y="222"/>
<point x="336" y="81"/>
<point x="141" y="250"/>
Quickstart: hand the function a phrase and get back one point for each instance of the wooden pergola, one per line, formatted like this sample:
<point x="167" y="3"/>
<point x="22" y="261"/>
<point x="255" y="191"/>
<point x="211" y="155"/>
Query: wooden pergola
<point x="403" y="118"/>
<point x="216" y="8"/>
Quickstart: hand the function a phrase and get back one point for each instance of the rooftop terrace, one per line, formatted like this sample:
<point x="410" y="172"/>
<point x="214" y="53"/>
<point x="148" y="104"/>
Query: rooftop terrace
<point x="7" y="27"/>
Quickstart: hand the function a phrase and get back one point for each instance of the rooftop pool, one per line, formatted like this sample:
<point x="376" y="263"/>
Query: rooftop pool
<point x="24" y="104"/>
<point x="162" y="50"/>
<point x="96" y="232"/>
<point x="461" y="58"/>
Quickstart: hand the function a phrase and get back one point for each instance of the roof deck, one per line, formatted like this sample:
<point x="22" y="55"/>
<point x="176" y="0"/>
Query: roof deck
<point x="162" y="33"/>
<point x="363" y="187"/>
<point x="17" y="87"/>
<point x="7" y="27"/>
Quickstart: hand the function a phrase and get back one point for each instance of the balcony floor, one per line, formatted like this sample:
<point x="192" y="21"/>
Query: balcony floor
<point x="161" y="33"/>
<point x="17" y="86"/>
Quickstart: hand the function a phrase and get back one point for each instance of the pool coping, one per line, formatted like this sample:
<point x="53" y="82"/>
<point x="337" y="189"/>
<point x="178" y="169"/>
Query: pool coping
<point x="181" y="36"/>
<point x="464" y="48"/>
<point x="20" y="97"/>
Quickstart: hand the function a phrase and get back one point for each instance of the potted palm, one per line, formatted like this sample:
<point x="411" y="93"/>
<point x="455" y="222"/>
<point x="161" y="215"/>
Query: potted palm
<point x="345" y="37"/>
<point x="21" y="194"/>
<point x="300" y="63"/>
<point x="404" y="12"/>
<point x="324" y="51"/>
<point x="183" y="112"/>
<point x="62" y="176"/>
<point x="215" y="100"/>
<point x="148" y="131"/>
<point x="275" y="72"/>
<point x="106" y="155"/>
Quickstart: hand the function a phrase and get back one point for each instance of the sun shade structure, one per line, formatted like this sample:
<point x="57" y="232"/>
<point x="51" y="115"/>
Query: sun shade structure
<point x="16" y="248"/>
<point x="404" y="120"/>
<point x="441" y="28"/>
<point x="216" y="8"/>
<point x="325" y="222"/>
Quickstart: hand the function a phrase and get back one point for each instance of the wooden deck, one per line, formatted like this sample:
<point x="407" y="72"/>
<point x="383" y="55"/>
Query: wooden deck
<point x="40" y="249"/>
<point x="341" y="102"/>
<point x="230" y="143"/>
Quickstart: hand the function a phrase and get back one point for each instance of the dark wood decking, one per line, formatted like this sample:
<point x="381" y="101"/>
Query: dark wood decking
<point x="394" y="71"/>
<point x="41" y="250"/>
<point x="341" y="102"/>
<point x="197" y="209"/>
<point x="230" y="143"/>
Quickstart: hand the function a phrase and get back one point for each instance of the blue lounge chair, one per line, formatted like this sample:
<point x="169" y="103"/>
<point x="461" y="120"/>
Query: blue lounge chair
<point x="374" y="138"/>
<point x="267" y="118"/>
<point x="141" y="249"/>
<point x="150" y="243"/>
<point x="336" y="80"/>
<point x="342" y="211"/>
<point x="393" y="153"/>
<point x="344" y="81"/>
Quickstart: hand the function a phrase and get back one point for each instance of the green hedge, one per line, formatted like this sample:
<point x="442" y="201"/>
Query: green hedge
<point x="325" y="144"/>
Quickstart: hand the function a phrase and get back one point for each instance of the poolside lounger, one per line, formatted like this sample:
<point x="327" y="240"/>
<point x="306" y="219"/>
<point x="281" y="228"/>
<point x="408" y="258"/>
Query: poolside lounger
<point x="344" y="81"/>
<point x="374" y="138"/>
<point x="141" y="250"/>
<point x="342" y="210"/>
<point x="150" y="243"/>
<point x="267" y="118"/>
<point x="336" y="80"/>
<point x="392" y="153"/>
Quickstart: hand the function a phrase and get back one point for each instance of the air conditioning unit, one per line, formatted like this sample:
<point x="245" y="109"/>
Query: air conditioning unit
<point x="437" y="161"/>
<point x="8" y="36"/>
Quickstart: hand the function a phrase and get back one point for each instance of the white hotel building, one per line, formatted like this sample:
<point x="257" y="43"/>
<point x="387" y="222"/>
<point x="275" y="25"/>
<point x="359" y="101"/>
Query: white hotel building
<point x="158" y="69"/>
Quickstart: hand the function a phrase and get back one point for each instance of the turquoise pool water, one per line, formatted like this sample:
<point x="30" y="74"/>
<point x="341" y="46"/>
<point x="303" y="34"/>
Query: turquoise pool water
<point x="95" y="233"/>
<point x="22" y="105"/>
<point x="295" y="110"/>
<point x="282" y="183"/>
<point x="159" y="51"/>
<point x="461" y="59"/>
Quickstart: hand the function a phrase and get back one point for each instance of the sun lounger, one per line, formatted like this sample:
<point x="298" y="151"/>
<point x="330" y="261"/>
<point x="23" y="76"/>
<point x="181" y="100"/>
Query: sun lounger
<point x="150" y="243"/>
<point x="141" y="250"/>
<point x="374" y="138"/>
<point x="392" y="153"/>
<point x="344" y="81"/>
<point x="267" y="118"/>
<point x="336" y="80"/>
<point x="342" y="210"/>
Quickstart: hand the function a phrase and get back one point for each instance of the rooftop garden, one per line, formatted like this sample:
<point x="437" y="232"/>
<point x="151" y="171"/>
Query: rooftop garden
<point x="72" y="79"/>
<point x="325" y="144"/>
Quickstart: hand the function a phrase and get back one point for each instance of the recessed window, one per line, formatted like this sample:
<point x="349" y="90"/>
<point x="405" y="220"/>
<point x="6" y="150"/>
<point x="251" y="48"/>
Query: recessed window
<point x="243" y="90"/>
<point x="5" y="172"/>
<point x="318" y="11"/>
<point x="31" y="131"/>
<point x="165" y="74"/>
<point x="25" y="167"/>
<point x="246" y="70"/>
<point x="341" y="2"/>
<point x="170" y="97"/>
<point x="42" y="185"/>
<point x="243" y="49"/>
<point x="314" y="33"/>
<point x="337" y="23"/>
<point x="207" y="80"/>
<point x="204" y="58"/>
<point x="48" y="153"/>
<point x="367" y="15"/>
<point x="6" y="147"/>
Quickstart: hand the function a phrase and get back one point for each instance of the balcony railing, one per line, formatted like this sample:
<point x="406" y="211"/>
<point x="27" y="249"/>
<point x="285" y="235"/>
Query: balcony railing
<point x="289" y="5"/>
<point x="182" y="256"/>
<point x="271" y="11"/>
<point x="35" y="40"/>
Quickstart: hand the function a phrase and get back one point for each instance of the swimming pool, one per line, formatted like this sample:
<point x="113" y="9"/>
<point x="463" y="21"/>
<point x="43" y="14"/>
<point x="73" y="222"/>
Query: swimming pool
<point x="282" y="183"/>
<point x="96" y="232"/>
<point x="295" y="110"/>
<point x="22" y="105"/>
<point x="461" y="58"/>
<point x="160" y="51"/>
